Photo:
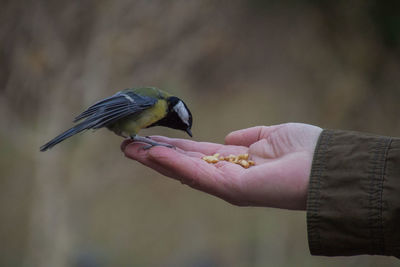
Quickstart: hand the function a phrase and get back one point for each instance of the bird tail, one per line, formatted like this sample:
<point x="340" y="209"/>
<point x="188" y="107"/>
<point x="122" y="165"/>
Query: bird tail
<point x="61" y="137"/>
<point x="104" y="113"/>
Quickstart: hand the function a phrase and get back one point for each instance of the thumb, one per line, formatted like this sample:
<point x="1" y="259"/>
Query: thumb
<point x="245" y="137"/>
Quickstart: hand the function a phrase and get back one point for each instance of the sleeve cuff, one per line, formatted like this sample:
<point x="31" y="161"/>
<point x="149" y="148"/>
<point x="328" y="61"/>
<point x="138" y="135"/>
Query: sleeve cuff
<point x="346" y="202"/>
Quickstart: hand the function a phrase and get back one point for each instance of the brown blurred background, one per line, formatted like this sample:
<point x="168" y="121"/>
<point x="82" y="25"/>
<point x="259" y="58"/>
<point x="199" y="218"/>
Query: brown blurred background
<point x="235" y="63"/>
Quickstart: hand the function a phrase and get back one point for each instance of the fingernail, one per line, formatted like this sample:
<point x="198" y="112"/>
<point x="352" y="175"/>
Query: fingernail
<point x="124" y="144"/>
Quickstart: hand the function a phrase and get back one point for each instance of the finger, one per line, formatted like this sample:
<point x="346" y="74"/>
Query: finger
<point x="192" y="154"/>
<point x="135" y="151"/>
<point x="233" y="150"/>
<point x="244" y="137"/>
<point x="189" y="145"/>
<point x="229" y="168"/>
<point x="188" y="170"/>
<point x="191" y="171"/>
<point x="200" y="149"/>
<point x="125" y="143"/>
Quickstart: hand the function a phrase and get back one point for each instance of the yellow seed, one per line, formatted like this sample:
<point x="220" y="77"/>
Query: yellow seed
<point x="210" y="159"/>
<point x="242" y="159"/>
<point x="244" y="163"/>
<point x="244" y="156"/>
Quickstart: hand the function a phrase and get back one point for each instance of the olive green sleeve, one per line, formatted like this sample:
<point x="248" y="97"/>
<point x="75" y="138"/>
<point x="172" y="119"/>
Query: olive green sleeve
<point x="353" y="204"/>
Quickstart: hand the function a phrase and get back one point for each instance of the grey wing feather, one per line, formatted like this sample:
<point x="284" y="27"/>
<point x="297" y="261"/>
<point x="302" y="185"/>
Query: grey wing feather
<point x="105" y="112"/>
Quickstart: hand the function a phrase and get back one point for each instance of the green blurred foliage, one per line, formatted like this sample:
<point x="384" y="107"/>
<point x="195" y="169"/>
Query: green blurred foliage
<point x="235" y="63"/>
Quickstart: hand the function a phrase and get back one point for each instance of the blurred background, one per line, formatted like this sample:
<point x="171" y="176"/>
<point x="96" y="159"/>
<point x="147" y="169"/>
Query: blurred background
<point x="235" y="63"/>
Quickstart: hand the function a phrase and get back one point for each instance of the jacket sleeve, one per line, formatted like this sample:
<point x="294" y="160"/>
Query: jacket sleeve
<point x="353" y="204"/>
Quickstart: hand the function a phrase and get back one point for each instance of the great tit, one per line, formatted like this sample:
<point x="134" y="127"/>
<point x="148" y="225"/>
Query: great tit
<point x="129" y="111"/>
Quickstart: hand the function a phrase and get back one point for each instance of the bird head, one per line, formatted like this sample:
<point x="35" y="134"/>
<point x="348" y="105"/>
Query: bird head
<point x="178" y="115"/>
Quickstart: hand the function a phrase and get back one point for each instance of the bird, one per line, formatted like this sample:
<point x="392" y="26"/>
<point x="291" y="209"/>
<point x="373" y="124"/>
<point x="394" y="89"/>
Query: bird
<point x="130" y="110"/>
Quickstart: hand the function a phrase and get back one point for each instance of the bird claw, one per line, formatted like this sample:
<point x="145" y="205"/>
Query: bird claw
<point x="152" y="145"/>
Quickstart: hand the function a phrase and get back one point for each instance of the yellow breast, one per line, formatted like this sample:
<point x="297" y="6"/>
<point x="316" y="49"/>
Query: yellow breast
<point x="134" y="123"/>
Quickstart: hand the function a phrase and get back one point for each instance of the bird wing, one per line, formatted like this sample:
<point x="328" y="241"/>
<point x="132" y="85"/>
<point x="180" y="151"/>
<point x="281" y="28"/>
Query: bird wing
<point x="104" y="113"/>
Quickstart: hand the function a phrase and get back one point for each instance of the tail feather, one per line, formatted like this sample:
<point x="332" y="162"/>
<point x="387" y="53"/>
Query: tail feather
<point x="68" y="133"/>
<point x="104" y="113"/>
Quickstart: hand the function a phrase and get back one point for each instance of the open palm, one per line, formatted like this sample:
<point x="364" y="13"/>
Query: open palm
<point x="282" y="153"/>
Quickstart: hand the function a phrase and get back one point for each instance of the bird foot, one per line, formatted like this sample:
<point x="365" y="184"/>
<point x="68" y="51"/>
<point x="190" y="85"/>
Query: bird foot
<point x="157" y="144"/>
<point x="150" y="143"/>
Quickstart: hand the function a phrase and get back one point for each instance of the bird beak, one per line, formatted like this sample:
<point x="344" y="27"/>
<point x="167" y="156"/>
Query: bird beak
<point x="189" y="132"/>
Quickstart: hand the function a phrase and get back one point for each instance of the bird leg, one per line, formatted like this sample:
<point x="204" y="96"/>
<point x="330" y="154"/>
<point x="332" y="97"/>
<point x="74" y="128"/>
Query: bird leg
<point x="146" y="140"/>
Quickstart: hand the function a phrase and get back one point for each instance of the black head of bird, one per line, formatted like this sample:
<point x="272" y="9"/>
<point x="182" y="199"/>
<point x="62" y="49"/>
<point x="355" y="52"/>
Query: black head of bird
<point x="178" y="116"/>
<point x="129" y="111"/>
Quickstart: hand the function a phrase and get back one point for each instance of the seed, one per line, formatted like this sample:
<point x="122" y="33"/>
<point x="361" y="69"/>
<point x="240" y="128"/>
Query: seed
<point x="210" y="159"/>
<point x="244" y="163"/>
<point x="242" y="159"/>
<point x="243" y="156"/>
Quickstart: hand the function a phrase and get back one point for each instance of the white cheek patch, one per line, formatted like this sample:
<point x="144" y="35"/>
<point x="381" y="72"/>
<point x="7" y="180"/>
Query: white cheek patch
<point x="182" y="112"/>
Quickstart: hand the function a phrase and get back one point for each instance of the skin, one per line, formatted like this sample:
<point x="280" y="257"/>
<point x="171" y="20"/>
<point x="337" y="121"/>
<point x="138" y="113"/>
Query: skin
<point x="283" y="155"/>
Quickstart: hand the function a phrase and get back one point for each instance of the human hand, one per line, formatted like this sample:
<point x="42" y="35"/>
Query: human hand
<point x="283" y="155"/>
